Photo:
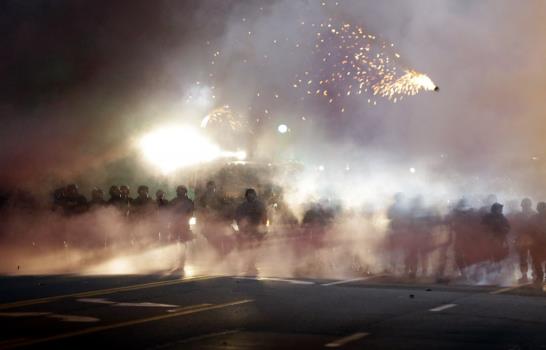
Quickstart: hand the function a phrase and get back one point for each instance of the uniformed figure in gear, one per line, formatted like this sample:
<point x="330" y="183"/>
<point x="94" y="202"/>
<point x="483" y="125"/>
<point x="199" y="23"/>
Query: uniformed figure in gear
<point x="182" y="210"/>
<point x="126" y="199"/>
<point x="417" y="245"/>
<point x="58" y="197"/>
<point x="399" y="221"/>
<point x="319" y="215"/>
<point x="251" y="219"/>
<point x="142" y="205"/>
<point x="73" y="202"/>
<point x="160" y="200"/>
<point x="210" y="200"/>
<point x="115" y="197"/>
<point x="97" y="198"/>
<point x="497" y="227"/>
<point x="521" y="223"/>
<point x="278" y="211"/>
<point x="213" y="221"/>
<point x="538" y="247"/>
<point x="162" y="217"/>
<point x="251" y="215"/>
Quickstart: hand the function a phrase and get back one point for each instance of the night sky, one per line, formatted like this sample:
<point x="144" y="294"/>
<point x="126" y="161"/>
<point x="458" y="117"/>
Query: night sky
<point x="82" y="79"/>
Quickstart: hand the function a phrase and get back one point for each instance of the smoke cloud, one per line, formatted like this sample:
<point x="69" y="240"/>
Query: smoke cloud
<point x="83" y="81"/>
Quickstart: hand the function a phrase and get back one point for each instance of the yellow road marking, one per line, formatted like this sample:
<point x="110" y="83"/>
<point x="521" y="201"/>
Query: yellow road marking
<point x="507" y="289"/>
<point x="442" y="307"/>
<point x="101" y="292"/>
<point x="11" y="341"/>
<point x="345" y="340"/>
<point x="197" y="338"/>
<point x="188" y="311"/>
<point x="335" y="283"/>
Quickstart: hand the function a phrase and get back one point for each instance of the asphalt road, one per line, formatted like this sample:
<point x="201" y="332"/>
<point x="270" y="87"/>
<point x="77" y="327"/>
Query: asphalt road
<point x="208" y="312"/>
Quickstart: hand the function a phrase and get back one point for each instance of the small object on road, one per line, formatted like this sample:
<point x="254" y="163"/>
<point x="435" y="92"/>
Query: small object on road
<point x="411" y="296"/>
<point x="428" y="289"/>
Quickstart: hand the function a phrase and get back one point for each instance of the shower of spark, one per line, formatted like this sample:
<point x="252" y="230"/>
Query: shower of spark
<point x="407" y="85"/>
<point x="337" y="61"/>
<point x="353" y="62"/>
<point x="222" y="116"/>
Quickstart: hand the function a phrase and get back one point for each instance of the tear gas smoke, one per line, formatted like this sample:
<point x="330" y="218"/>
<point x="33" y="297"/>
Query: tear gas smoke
<point x="72" y="110"/>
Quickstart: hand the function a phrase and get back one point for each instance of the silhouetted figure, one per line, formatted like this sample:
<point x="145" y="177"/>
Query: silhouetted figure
<point x="210" y="201"/>
<point x="465" y="225"/>
<point x="521" y="224"/>
<point x="497" y="227"/>
<point x="213" y="220"/>
<point x="73" y="202"/>
<point x="251" y="217"/>
<point x="418" y="244"/>
<point x="97" y="198"/>
<point x="58" y="197"/>
<point x="126" y="199"/>
<point x="278" y="212"/>
<point x="399" y="221"/>
<point x="317" y="216"/>
<point x="160" y="199"/>
<point x="142" y="205"/>
<point x="115" y="197"/>
<point x="182" y="210"/>
<point x="538" y="246"/>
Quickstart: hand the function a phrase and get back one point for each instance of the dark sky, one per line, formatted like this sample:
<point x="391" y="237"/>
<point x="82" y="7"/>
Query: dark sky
<point x="71" y="68"/>
<point x="80" y="79"/>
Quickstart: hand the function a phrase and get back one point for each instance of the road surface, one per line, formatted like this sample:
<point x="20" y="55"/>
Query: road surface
<point x="229" y="312"/>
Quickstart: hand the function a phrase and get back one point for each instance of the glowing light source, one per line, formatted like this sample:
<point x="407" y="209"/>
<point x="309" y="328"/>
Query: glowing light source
<point x="176" y="147"/>
<point x="192" y="221"/>
<point x="412" y="170"/>
<point x="282" y="128"/>
<point x="189" y="271"/>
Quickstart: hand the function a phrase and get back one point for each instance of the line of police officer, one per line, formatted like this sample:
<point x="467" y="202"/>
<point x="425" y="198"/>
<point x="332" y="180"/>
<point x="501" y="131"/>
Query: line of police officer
<point x="213" y="208"/>
<point x="481" y="236"/>
<point x="478" y="237"/>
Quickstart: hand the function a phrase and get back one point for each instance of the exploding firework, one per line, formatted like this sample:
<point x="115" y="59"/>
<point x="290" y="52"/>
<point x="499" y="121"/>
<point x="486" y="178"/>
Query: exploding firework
<point x="225" y="116"/>
<point x="353" y="62"/>
<point x="408" y="84"/>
